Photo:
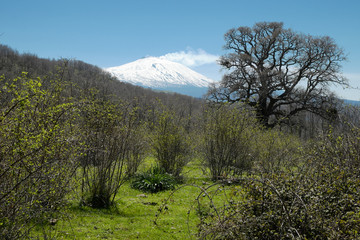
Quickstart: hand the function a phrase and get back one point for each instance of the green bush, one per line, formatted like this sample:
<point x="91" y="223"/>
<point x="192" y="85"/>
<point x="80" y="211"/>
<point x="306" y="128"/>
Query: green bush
<point x="228" y="140"/>
<point x="275" y="150"/>
<point x="112" y="143"/>
<point x="170" y="142"/>
<point x="154" y="180"/>
<point x="38" y="152"/>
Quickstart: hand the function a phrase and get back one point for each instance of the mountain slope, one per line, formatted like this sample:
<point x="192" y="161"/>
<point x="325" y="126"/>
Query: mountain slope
<point x="161" y="74"/>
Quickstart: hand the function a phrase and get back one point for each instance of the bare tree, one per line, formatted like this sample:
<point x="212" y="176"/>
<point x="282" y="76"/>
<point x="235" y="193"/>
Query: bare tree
<point x="279" y="72"/>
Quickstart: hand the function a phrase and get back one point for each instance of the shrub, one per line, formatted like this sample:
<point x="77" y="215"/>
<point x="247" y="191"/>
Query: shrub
<point x="170" y="143"/>
<point x="275" y="151"/>
<point x="228" y="133"/>
<point x="154" y="180"/>
<point x="138" y="149"/>
<point x="38" y="151"/>
<point x="282" y="208"/>
<point x="110" y="134"/>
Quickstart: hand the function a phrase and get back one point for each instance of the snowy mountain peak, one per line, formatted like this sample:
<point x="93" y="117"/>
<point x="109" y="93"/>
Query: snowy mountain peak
<point x="159" y="73"/>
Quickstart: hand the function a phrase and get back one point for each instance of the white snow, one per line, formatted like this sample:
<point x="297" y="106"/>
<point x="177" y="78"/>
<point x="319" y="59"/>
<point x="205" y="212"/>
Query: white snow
<point x="157" y="72"/>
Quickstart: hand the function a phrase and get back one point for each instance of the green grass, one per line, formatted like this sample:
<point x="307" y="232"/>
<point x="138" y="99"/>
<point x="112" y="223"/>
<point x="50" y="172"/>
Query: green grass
<point x="134" y="215"/>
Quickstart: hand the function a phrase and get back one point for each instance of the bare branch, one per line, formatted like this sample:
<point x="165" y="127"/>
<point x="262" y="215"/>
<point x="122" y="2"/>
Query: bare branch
<point x="269" y="65"/>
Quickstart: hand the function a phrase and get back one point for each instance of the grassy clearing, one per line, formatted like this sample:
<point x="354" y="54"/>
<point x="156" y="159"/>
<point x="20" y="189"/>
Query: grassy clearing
<point x="135" y="212"/>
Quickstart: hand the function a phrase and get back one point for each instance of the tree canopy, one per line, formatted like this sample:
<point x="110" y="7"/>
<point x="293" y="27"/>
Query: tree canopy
<point x="279" y="72"/>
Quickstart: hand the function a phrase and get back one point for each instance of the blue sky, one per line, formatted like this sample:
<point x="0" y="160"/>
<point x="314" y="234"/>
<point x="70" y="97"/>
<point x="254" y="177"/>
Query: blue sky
<point x="111" y="33"/>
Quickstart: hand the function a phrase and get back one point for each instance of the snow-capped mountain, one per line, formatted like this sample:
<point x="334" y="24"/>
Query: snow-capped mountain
<point x="159" y="73"/>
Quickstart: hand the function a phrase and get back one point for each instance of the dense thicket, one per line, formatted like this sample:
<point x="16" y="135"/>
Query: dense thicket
<point x="318" y="198"/>
<point x="38" y="151"/>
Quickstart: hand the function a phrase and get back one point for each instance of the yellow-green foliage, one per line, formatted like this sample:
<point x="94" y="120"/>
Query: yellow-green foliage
<point x="37" y="151"/>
